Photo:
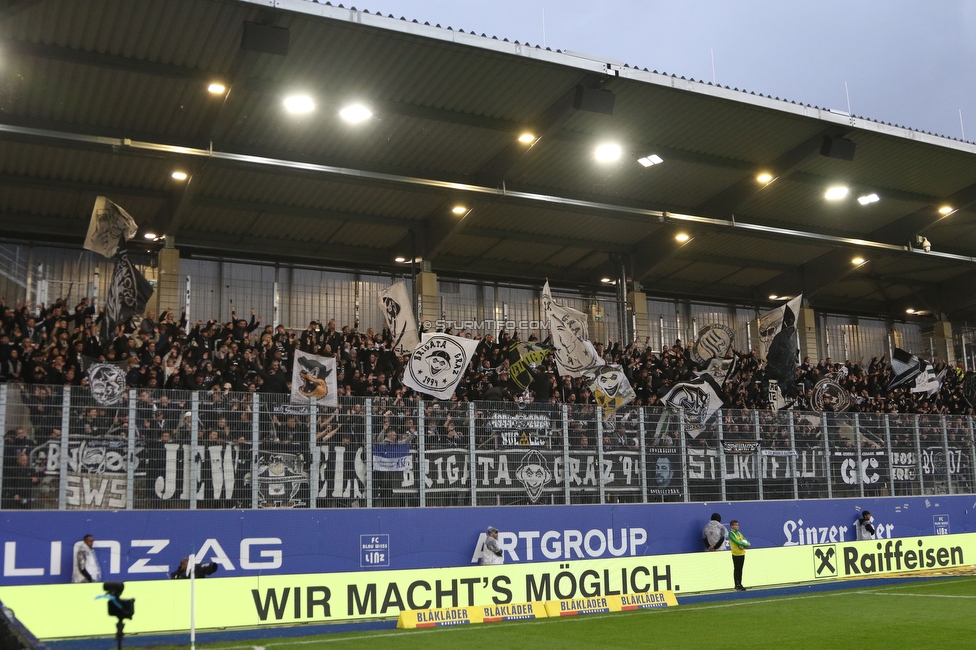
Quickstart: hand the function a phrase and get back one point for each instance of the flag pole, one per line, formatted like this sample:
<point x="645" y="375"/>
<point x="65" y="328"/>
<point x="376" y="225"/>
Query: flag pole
<point x="192" y="566"/>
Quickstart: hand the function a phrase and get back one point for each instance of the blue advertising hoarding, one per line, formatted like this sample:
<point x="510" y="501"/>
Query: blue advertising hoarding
<point x="147" y="545"/>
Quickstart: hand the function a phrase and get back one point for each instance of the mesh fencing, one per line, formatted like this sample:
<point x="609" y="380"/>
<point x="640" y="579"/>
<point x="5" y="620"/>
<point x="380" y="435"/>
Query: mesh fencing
<point x="64" y="449"/>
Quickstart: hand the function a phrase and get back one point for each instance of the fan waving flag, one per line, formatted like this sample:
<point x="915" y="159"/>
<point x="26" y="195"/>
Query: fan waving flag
<point x="399" y="318"/>
<point x="567" y="328"/>
<point x="127" y="296"/>
<point x="436" y="365"/>
<point x="777" y="334"/>
<point x="109" y="223"/>
<point x="905" y="366"/>
<point x="697" y="399"/>
<point x="313" y="377"/>
<point x="928" y="381"/>
<point x="611" y="388"/>
<point x="530" y="355"/>
<point x="106" y="381"/>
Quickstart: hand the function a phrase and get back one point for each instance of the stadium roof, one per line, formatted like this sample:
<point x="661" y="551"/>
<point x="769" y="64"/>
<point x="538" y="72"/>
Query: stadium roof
<point x="111" y="97"/>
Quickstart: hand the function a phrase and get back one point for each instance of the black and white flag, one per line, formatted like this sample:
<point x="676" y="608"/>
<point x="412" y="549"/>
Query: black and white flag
<point x="610" y="387"/>
<point x="106" y="381"/>
<point x="829" y="395"/>
<point x="928" y="381"/>
<point x="713" y="342"/>
<point x="109" y="224"/>
<point x="314" y="377"/>
<point x="697" y="399"/>
<point x="720" y="369"/>
<point x="399" y="318"/>
<point x="127" y="296"/>
<point x="570" y="338"/>
<point x="777" y="337"/>
<point x="969" y="388"/>
<point x="436" y="365"/>
<point x="905" y="366"/>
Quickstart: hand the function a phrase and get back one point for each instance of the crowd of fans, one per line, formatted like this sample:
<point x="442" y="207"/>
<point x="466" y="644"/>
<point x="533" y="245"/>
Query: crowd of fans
<point x="45" y="348"/>
<point x="51" y="345"/>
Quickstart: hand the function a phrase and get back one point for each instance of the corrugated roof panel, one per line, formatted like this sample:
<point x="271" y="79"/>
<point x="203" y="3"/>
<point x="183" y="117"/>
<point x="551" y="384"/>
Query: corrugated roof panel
<point x="900" y="164"/>
<point x="517" y="251"/>
<point x="77" y="166"/>
<point x="749" y="277"/>
<point x="752" y="248"/>
<point x="703" y="272"/>
<point x="310" y="192"/>
<point x="567" y="257"/>
<point x="462" y="245"/>
<point x="691" y="123"/>
<point x="359" y="234"/>
<point x="528" y="219"/>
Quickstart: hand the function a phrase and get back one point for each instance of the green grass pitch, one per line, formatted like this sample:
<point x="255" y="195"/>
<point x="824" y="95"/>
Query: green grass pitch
<point x="937" y="613"/>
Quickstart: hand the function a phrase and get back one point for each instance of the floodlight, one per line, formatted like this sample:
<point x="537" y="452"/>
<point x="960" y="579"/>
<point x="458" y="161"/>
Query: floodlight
<point x="836" y="193"/>
<point x="868" y="198"/>
<point x="299" y="104"/>
<point x="607" y="152"/>
<point x="764" y="177"/>
<point x="179" y="175"/>
<point x="217" y="88"/>
<point x="355" y="113"/>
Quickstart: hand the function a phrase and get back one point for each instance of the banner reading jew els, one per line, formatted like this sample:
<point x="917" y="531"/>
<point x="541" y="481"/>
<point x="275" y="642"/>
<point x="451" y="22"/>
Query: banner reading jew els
<point x="438" y="363"/>
<point x="313" y="377"/>
<point x="399" y="318"/>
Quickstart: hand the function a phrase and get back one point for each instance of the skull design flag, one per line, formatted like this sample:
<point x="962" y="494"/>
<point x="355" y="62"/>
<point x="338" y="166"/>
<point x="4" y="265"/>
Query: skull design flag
<point x="610" y="387"/>
<point x="697" y="399"/>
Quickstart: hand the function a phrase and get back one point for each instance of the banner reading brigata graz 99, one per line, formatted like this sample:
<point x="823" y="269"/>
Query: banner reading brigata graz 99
<point x="147" y="545"/>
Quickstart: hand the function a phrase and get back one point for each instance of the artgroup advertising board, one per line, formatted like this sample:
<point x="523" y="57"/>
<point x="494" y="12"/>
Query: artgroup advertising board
<point x="323" y="597"/>
<point x="147" y="545"/>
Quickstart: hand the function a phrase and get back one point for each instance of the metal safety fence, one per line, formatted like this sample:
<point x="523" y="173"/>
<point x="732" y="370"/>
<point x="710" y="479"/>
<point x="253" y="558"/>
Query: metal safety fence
<point x="64" y="450"/>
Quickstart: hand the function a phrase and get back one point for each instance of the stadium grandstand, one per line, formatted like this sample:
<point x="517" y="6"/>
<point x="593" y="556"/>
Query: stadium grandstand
<point x="303" y="263"/>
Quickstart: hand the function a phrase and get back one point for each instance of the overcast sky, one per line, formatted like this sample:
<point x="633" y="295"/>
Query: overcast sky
<point x="908" y="62"/>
